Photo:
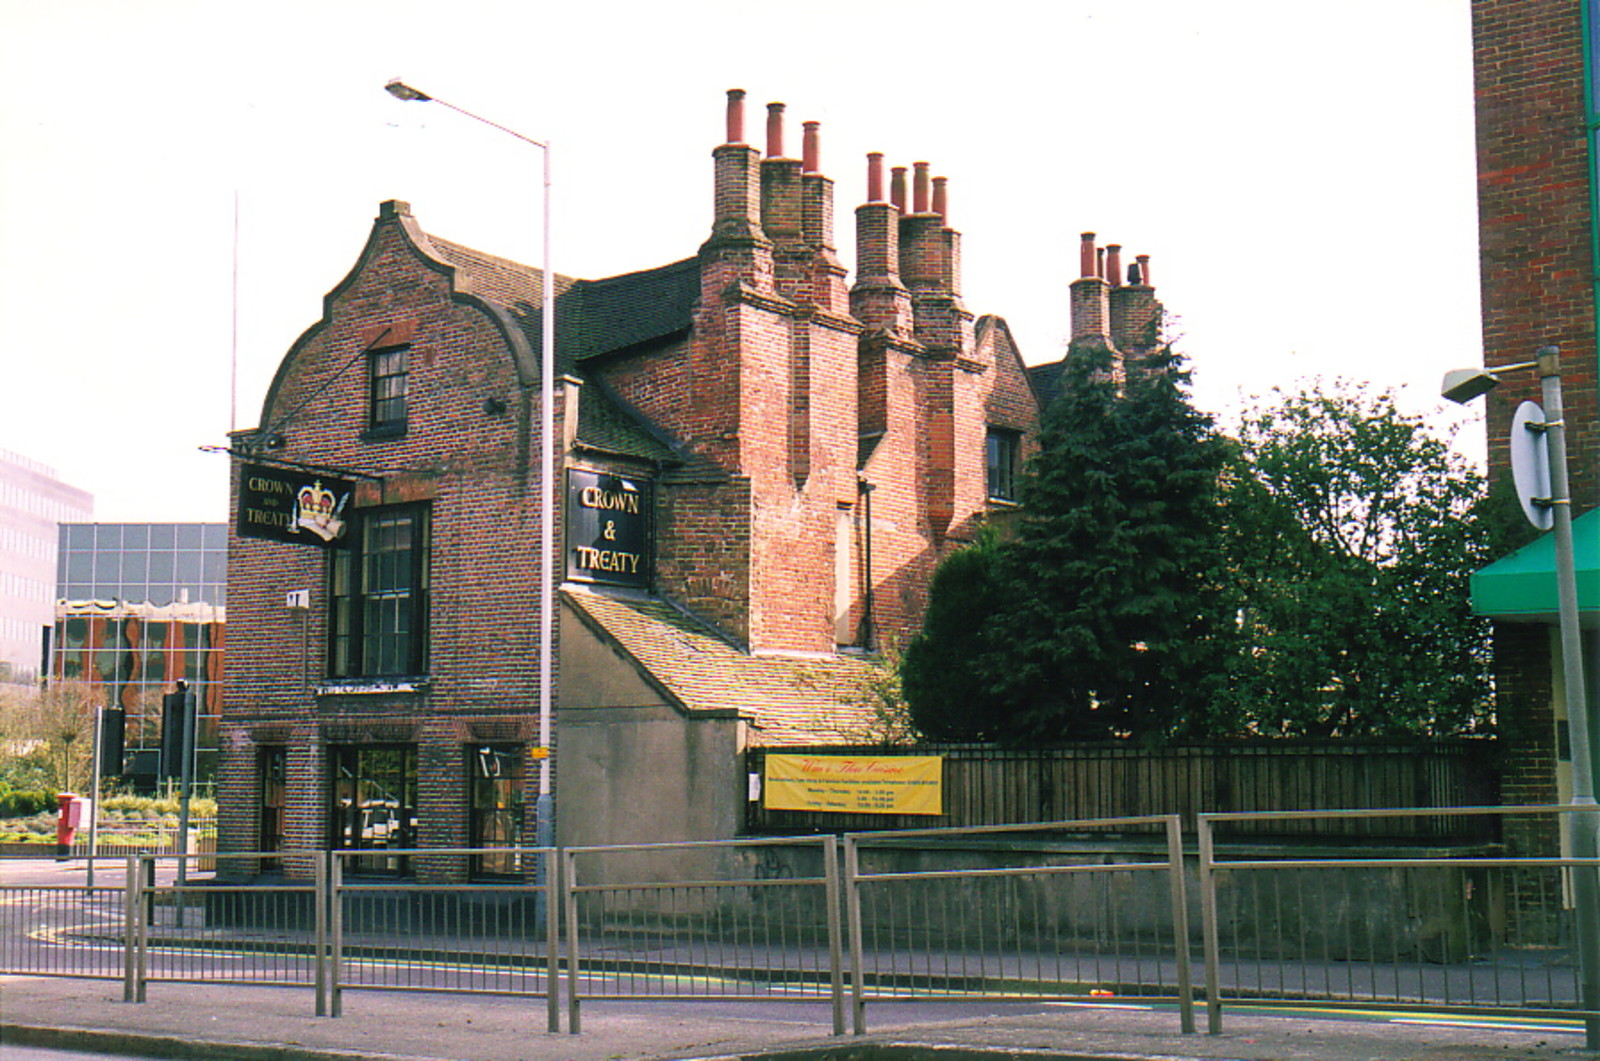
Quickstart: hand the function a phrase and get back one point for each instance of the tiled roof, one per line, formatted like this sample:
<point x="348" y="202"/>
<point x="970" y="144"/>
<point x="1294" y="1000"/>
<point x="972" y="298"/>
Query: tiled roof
<point x="789" y="701"/>
<point x="636" y="308"/>
<point x="593" y="317"/>
<point x="606" y="427"/>
<point x="1046" y="378"/>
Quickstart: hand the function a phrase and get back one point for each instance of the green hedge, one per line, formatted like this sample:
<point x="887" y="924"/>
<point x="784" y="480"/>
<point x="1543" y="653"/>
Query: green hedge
<point x="24" y="803"/>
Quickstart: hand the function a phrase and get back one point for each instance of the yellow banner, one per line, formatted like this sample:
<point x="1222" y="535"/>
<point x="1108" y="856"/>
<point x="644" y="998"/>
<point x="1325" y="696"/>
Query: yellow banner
<point x="854" y="784"/>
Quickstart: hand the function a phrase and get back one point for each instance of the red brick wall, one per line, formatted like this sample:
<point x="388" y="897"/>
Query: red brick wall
<point x="1528" y="732"/>
<point x="477" y="467"/>
<point x="1533" y="207"/>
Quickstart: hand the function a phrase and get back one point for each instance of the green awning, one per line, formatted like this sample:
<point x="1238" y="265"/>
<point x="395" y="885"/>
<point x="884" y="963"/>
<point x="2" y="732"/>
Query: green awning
<point x="1523" y="585"/>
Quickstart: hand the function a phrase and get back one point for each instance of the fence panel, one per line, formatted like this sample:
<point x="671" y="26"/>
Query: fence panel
<point x="704" y="920"/>
<point x="485" y="937"/>
<point x="196" y="923"/>
<point x="1458" y="930"/>
<point x="986" y="785"/>
<point x="65" y="929"/>
<point x="1009" y="912"/>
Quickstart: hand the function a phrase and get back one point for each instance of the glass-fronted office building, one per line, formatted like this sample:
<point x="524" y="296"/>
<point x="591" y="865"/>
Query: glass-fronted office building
<point x="140" y="608"/>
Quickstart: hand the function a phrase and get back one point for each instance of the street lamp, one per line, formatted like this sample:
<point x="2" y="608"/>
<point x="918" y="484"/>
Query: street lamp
<point x="1463" y="385"/>
<point x="545" y="805"/>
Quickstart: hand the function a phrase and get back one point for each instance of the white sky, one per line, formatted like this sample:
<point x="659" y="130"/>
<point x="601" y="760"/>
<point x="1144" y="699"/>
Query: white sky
<point x="1301" y="173"/>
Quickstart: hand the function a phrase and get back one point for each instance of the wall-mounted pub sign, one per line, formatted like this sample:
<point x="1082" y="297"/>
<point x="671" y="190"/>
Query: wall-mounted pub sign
<point x="289" y="505"/>
<point x="608" y="528"/>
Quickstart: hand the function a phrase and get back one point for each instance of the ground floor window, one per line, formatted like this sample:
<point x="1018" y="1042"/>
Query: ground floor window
<point x="272" y="765"/>
<point x="374" y="807"/>
<point x="496" y="776"/>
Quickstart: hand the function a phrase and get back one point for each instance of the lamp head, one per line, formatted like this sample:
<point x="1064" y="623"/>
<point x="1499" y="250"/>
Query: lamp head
<point x="1464" y="384"/>
<point x="400" y="90"/>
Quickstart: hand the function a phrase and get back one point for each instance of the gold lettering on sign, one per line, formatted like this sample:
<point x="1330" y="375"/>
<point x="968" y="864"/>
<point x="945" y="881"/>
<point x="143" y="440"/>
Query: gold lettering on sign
<point x="608" y="560"/>
<point x="271" y="519"/>
<point x="612" y="500"/>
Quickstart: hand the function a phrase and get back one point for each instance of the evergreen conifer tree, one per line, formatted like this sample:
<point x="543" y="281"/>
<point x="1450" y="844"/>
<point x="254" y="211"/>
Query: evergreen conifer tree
<point x="1121" y="627"/>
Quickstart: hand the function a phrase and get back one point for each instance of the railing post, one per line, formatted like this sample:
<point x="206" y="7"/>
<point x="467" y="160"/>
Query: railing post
<point x="830" y="876"/>
<point x="146" y="892"/>
<point x="852" y="898"/>
<point x="569" y="906"/>
<point x="131" y="902"/>
<point x="319" y="905"/>
<point x="333" y="912"/>
<point x="550" y="858"/>
<point x="1208" y="923"/>
<point x="1180" y="922"/>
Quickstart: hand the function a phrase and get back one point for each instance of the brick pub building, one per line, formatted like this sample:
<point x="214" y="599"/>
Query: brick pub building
<point x="760" y="463"/>
<point x="1535" y="75"/>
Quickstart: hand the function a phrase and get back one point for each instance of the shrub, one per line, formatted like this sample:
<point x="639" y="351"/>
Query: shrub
<point x="21" y="803"/>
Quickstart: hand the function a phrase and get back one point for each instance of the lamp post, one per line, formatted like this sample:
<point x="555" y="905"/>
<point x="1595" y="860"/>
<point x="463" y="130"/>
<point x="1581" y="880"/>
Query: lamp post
<point x="1462" y="386"/>
<point x="545" y="804"/>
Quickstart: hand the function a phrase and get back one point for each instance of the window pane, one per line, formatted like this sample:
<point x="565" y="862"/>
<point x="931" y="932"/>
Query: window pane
<point x="378" y="614"/>
<point x="497" y="808"/>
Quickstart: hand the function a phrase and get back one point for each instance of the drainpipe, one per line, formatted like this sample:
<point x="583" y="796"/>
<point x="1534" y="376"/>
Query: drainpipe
<point x="865" y="487"/>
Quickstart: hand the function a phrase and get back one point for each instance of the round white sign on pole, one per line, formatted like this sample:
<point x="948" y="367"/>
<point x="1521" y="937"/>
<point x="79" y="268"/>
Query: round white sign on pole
<point x="1530" y="465"/>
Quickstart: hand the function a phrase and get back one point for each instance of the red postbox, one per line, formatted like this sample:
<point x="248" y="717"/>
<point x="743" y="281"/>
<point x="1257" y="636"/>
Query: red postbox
<point x="68" y="818"/>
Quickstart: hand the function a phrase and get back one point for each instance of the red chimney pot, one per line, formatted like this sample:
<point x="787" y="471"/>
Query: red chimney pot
<point x="811" y="147"/>
<point x="919" y="188"/>
<point x="774" y="130"/>
<point x="1086" y="255"/>
<point x="735" y="115"/>
<point x="875" y="177"/>
<point x="1114" y="264"/>
<point x="941" y="200"/>
<point x="1144" y="270"/>
<point x="897" y="188"/>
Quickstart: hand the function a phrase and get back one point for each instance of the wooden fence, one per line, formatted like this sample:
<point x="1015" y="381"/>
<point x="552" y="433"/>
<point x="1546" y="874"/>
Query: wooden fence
<point x="985" y="785"/>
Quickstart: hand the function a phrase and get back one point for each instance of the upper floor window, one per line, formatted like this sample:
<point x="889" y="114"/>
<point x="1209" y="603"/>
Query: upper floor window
<point x="390" y="373"/>
<point x="1004" y="448"/>
<point x="379" y="596"/>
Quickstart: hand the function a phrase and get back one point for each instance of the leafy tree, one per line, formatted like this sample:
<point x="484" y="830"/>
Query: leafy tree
<point x="1351" y="531"/>
<point x="47" y="736"/>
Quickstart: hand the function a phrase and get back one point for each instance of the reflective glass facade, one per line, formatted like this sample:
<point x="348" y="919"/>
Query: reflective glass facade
<point x="155" y="563"/>
<point x="140" y="608"/>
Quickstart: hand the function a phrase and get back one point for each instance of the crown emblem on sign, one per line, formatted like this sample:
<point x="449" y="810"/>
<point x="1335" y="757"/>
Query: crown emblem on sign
<point x="317" y="510"/>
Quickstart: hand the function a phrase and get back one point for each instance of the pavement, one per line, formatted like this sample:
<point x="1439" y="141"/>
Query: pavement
<point x="255" y="1023"/>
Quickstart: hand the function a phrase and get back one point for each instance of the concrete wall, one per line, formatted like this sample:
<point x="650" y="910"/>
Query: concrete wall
<point x="634" y="768"/>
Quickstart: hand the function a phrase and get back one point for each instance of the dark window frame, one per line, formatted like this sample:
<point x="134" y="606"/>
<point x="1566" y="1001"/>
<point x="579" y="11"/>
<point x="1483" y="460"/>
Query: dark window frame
<point x="496" y="779"/>
<point x="371" y="810"/>
<point x="272" y="765"/>
<point x="380" y="595"/>
<point x="388" y="391"/>
<point x="1002" y="458"/>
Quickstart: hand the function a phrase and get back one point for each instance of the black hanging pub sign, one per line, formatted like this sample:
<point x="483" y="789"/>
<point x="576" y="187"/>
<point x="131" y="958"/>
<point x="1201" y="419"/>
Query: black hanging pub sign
<point x="608" y="528"/>
<point x="290" y="505"/>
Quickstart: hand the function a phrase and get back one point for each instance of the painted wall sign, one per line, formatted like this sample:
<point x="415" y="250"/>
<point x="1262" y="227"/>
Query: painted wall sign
<point x="289" y="505"/>
<point x="855" y="784"/>
<point x="608" y="528"/>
